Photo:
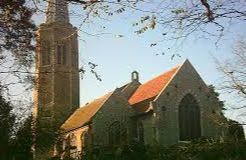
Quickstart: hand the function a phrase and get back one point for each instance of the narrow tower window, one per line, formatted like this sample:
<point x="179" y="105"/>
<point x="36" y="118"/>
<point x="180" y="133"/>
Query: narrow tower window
<point x="61" y="54"/>
<point x="64" y="54"/>
<point x="74" y="60"/>
<point x="46" y="53"/>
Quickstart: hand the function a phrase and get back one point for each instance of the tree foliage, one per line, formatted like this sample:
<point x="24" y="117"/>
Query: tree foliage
<point x="16" y="31"/>
<point x="22" y="143"/>
<point x="177" y="19"/>
<point x="234" y="71"/>
<point x="202" y="149"/>
<point x="216" y="94"/>
<point x="6" y="127"/>
<point x="235" y="131"/>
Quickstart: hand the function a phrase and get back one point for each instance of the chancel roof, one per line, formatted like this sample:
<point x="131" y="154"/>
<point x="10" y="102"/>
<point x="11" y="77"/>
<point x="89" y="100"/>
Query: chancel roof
<point x="153" y="87"/>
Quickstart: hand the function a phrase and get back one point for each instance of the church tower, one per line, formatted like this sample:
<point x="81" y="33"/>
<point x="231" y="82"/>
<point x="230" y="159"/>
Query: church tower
<point x="56" y="94"/>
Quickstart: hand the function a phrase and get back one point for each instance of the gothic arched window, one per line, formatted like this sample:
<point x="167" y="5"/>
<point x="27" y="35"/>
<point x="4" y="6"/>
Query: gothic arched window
<point x="189" y="119"/>
<point x="117" y="134"/>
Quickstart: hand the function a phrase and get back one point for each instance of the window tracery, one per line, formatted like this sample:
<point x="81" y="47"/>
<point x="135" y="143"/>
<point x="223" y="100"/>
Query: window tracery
<point x="117" y="134"/>
<point x="189" y="119"/>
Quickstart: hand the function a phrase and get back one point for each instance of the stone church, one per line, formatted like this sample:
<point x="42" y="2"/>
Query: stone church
<point x="172" y="107"/>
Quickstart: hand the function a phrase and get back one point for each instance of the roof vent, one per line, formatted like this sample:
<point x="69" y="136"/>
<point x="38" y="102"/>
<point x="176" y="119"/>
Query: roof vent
<point x="135" y="76"/>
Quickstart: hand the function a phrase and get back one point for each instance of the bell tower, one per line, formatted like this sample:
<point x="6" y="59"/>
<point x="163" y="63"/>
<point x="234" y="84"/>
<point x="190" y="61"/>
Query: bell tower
<point x="56" y="93"/>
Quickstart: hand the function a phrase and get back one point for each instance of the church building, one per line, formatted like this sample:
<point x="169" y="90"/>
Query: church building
<point x="173" y="107"/>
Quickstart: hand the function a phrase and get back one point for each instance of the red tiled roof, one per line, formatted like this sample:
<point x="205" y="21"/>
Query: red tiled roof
<point x="84" y="114"/>
<point x="152" y="88"/>
<point x="145" y="91"/>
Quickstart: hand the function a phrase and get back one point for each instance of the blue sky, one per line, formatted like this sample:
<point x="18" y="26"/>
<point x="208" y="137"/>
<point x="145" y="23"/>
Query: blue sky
<point x="118" y="57"/>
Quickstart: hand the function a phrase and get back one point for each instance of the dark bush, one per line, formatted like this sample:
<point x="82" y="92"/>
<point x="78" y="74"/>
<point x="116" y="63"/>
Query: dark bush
<point x="204" y="149"/>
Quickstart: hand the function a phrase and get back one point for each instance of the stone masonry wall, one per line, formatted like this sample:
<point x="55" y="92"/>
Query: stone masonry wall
<point x="116" y="108"/>
<point x="186" y="81"/>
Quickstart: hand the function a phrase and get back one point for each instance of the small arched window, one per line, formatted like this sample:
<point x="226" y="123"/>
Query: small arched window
<point x="117" y="134"/>
<point x="189" y="119"/>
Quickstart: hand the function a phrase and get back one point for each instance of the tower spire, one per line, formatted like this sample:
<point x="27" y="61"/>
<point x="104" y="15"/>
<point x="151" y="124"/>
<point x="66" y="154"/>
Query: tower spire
<point x="57" y="11"/>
